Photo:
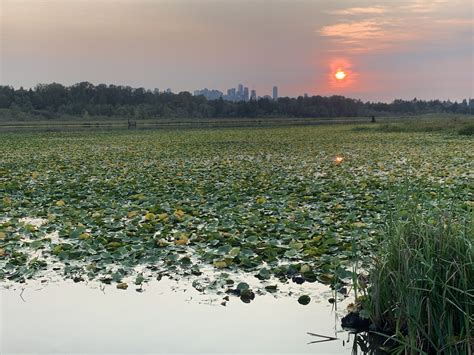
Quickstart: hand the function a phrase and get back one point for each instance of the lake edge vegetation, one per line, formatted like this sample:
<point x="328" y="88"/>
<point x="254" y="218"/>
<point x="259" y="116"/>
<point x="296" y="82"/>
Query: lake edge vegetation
<point x="421" y="297"/>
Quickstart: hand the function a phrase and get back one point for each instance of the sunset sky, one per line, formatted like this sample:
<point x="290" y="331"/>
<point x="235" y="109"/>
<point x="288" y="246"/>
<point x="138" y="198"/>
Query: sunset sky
<point x="391" y="49"/>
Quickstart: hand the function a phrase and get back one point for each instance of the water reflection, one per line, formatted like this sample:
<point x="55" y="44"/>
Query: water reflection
<point x="322" y="338"/>
<point x="368" y="343"/>
<point x="166" y="318"/>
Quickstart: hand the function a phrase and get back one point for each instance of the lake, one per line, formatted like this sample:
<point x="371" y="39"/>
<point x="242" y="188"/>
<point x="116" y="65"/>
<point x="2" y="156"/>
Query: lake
<point x="168" y="317"/>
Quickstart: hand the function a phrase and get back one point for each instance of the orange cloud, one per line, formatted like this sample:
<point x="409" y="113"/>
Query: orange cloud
<point x="366" y="36"/>
<point x="392" y="28"/>
<point x="423" y="6"/>
<point x="354" y="31"/>
<point x="352" y="11"/>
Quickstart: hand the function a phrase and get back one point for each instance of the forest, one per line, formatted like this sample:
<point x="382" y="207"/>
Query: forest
<point x="85" y="100"/>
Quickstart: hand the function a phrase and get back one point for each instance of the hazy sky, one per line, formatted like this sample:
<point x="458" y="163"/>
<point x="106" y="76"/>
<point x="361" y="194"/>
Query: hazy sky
<point x="389" y="49"/>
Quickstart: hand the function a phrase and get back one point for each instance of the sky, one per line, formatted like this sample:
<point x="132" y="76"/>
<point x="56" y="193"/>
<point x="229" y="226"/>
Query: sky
<point x="388" y="49"/>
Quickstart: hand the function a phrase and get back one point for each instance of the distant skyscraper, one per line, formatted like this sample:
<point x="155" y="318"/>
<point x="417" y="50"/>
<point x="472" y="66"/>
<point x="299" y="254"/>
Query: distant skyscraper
<point x="246" y="94"/>
<point x="209" y="94"/>
<point x="240" y="93"/>
<point x="231" y="95"/>
<point x="275" y="93"/>
<point x="253" y="95"/>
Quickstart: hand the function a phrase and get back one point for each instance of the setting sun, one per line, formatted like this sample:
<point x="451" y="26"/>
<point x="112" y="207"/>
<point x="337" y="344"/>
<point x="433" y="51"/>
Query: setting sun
<point x="340" y="75"/>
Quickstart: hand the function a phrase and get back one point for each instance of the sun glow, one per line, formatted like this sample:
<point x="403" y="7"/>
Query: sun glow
<point x="340" y="75"/>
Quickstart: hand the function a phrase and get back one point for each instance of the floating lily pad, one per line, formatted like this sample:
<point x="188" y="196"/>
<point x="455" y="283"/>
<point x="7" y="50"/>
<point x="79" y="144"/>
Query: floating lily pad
<point x="122" y="286"/>
<point x="304" y="300"/>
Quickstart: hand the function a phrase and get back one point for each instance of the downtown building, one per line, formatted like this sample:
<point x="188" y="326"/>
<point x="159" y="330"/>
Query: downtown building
<point x="237" y="94"/>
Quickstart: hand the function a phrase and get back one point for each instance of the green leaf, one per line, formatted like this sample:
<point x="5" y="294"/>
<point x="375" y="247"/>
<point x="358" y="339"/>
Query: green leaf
<point x="241" y="286"/>
<point x="304" y="300"/>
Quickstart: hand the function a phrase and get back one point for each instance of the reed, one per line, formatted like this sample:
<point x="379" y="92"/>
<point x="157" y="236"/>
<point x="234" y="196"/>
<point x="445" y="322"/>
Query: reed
<point x="422" y="280"/>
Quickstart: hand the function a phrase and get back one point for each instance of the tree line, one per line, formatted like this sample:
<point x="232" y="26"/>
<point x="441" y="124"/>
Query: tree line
<point x="85" y="100"/>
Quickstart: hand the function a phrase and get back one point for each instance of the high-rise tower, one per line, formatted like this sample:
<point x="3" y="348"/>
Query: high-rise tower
<point x="246" y="93"/>
<point x="253" y="95"/>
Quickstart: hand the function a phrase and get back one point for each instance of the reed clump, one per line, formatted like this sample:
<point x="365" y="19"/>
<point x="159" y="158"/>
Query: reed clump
<point x="422" y="282"/>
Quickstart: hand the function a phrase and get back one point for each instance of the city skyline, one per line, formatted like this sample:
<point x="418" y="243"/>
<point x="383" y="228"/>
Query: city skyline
<point x="239" y="93"/>
<point x="397" y="50"/>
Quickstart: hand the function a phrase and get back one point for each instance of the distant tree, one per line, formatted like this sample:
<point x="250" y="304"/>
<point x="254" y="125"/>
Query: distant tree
<point x="84" y="98"/>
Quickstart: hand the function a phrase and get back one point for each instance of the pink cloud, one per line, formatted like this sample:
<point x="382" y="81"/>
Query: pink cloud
<point x="354" y="30"/>
<point x="352" y="11"/>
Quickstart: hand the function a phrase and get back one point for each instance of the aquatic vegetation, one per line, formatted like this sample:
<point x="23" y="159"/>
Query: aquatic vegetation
<point x="422" y="290"/>
<point x="277" y="204"/>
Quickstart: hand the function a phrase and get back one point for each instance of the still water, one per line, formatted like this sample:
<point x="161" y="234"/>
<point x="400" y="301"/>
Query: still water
<point x="64" y="317"/>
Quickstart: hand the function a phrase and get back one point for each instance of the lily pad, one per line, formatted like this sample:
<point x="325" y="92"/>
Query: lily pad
<point x="304" y="300"/>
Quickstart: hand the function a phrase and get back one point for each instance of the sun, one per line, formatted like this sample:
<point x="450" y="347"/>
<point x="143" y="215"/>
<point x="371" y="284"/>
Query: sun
<point x="340" y="75"/>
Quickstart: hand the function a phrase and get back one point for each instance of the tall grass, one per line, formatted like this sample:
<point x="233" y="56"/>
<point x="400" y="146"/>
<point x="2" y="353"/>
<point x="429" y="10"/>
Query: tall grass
<point x="454" y="124"/>
<point x="467" y="130"/>
<point x="422" y="283"/>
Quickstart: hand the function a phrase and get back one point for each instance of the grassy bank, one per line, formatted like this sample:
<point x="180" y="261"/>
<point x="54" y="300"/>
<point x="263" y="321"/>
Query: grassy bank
<point x="462" y="125"/>
<point x="422" y="288"/>
<point x="104" y="123"/>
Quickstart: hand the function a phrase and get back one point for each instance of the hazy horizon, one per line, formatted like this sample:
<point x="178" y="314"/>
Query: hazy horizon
<point x="396" y="49"/>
